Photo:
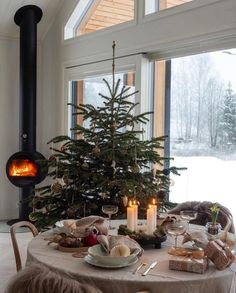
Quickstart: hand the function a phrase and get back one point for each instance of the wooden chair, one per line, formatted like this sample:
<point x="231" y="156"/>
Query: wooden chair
<point x="34" y="231"/>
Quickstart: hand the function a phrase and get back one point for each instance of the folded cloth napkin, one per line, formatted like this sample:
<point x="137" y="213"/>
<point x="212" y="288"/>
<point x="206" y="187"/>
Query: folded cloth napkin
<point x="86" y="225"/>
<point x="198" y="237"/>
<point x="166" y="221"/>
<point x="108" y="242"/>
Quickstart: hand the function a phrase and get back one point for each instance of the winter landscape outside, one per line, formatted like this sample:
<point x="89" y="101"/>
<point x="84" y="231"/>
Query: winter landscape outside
<point x="203" y="127"/>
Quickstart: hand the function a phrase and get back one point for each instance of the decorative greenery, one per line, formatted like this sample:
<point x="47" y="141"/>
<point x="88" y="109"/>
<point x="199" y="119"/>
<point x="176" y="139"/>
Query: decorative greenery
<point x="158" y="236"/>
<point x="214" y="213"/>
<point x="102" y="162"/>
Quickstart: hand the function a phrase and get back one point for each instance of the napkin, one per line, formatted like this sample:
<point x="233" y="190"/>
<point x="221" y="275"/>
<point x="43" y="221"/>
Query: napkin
<point x="198" y="237"/>
<point x="86" y="225"/>
<point x="108" y="242"/>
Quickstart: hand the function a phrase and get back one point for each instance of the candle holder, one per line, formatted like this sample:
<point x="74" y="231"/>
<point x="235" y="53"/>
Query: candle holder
<point x="155" y="239"/>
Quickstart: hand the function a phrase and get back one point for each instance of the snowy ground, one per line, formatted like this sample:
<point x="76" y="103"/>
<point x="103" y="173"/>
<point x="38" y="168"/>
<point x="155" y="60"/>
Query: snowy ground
<point x="207" y="178"/>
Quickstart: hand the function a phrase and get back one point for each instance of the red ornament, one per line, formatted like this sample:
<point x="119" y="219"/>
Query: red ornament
<point x="63" y="148"/>
<point x="52" y="158"/>
<point x="90" y="240"/>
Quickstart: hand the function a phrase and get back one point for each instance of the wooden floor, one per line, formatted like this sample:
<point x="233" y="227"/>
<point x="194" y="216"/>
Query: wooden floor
<point x="7" y="261"/>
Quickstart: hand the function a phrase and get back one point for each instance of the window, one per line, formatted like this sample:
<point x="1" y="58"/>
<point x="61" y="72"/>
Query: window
<point x="90" y="16"/>
<point x="152" y="6"/>
<point x="87" y="91"/>
<point x="200" y="110"/>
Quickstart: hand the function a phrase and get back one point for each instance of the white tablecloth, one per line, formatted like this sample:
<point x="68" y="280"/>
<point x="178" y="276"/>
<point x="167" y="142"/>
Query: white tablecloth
<point x="159" y="280"/>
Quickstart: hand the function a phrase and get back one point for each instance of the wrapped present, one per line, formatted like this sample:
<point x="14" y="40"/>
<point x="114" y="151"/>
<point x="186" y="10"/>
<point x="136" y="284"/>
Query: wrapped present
<point x="219" y="253"/>
<point x="188" y="264"/>
<point x="188" y="260"/>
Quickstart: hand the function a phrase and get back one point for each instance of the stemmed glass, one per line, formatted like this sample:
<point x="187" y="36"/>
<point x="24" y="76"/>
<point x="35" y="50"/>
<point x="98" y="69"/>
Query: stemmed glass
<point x="176" y="229"/>
<point x="110" y="210"/>
<point x="188" y="215"/>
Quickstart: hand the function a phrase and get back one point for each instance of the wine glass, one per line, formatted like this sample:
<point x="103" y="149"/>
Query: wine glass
<point x="110" y="210"/>
<point x="176" y="229"/>
<point x="188" y="215"/>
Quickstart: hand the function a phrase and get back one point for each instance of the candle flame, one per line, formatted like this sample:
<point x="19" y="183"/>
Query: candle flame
<point x="153" y="201"/>
<point x="130" y="203"/>
<point x="149" y="206"/>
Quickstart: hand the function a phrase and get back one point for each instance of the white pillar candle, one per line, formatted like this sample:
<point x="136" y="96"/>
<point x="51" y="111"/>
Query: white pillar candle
<point x="154" y="206"/>
<point x="130" y="217"/>
<point x="150" y="220"/>
<point x="135" y="207"/>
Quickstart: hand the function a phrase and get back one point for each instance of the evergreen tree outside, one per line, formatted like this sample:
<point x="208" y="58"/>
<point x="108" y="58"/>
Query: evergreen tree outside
<point x="103" y="163"/>
<point x="229" y="117"/>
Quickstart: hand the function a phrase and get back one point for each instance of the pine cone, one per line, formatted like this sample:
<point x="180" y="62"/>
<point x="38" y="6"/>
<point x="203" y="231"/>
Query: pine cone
<point x="56" y="187"/>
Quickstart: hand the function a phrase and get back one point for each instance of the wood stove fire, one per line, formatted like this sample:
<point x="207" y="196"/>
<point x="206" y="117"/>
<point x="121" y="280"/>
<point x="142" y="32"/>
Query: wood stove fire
<point x="23" y="168"/>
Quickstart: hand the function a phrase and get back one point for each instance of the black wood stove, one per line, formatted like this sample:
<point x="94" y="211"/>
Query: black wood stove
<point x="23" y="168"/>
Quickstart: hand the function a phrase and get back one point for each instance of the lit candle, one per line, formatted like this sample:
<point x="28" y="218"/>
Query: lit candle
<point x="130" y="216"/>
<point x="150" y="220"/>
<point x="154" y="206"/>
<point x="135" y="207"/>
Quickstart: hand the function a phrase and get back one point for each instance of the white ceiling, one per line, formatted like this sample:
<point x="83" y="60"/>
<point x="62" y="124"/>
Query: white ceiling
<point x="8" y="8"/>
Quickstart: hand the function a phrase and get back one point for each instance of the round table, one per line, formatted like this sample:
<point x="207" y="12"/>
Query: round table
<point x="159" y="280"/>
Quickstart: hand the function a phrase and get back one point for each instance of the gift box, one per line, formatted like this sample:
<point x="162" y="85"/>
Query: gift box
<point x="219" y="253"/>
<point x="188" y="264"/>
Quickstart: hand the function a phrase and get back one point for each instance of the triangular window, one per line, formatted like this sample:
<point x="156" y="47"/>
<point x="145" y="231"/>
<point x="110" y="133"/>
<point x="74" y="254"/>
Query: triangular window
<point x="93" y="15"/>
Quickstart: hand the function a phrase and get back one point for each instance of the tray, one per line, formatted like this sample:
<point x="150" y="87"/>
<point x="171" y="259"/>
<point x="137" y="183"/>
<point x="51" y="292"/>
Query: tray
<point x="72" y="249"/>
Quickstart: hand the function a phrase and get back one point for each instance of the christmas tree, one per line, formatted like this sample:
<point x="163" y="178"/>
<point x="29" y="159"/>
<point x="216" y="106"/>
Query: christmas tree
<point x="107" y="162"/>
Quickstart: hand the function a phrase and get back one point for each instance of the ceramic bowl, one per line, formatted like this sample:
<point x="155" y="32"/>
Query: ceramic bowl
<point x="61" y="228"/>
<point x="99" y="254"/>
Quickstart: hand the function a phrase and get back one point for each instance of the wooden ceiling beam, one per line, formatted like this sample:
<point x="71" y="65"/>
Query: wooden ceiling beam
<point x="107" y="14"/>
<point x="116" y="11"/>
<point x="106" y="19"/>
<point x="116" y="6"/>
<point x="125" y="2"/>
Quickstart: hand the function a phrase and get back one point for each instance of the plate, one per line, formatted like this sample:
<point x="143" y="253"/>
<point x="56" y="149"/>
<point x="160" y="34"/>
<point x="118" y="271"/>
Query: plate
<point x="98" y="253"/>
<point x="90" y="260"/>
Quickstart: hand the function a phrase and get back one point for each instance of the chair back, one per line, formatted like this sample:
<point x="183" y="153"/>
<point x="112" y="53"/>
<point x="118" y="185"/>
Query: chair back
<point x="34" y="231"/>
<point x="225" y="217"/>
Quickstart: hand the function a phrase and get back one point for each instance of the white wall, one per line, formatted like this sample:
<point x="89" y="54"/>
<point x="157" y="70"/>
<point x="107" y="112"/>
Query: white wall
<point x="210" y="26"/>
<point x="9" y="123"/>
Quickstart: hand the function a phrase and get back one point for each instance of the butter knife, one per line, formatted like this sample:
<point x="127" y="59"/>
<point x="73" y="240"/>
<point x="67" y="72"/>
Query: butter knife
<point x="152" y="265"/>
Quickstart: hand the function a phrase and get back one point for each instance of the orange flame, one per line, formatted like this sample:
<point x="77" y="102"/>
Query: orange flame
<point x="23" y="168"/>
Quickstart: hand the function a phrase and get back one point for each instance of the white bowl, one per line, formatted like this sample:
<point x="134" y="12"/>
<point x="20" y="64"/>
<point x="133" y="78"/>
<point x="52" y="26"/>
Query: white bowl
<point x="98" y="254"/>
<point x="60" y="227"/>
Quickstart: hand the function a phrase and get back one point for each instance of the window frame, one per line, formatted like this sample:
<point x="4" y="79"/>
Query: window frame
<point x="110" y="29"/>
<point x="137" y="63"/>
<point x="173" y="10"/>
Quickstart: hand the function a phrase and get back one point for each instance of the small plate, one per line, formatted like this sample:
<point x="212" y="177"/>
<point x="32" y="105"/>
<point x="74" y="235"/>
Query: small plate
<point x="90" y="260"/>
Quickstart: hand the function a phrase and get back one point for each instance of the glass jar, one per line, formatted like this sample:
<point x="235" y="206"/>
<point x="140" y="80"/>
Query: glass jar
<point x="213" y="228"/>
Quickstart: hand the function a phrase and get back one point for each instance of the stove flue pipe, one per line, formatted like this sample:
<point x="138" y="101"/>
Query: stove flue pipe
<point x="27" y="18"/>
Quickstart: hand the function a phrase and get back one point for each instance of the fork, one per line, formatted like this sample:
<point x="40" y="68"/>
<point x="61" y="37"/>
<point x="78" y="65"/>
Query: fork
<point x="139" y="267"/>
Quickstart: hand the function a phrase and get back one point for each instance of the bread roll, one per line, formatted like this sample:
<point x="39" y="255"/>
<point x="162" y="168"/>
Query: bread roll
<point x="120" y="250"/>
